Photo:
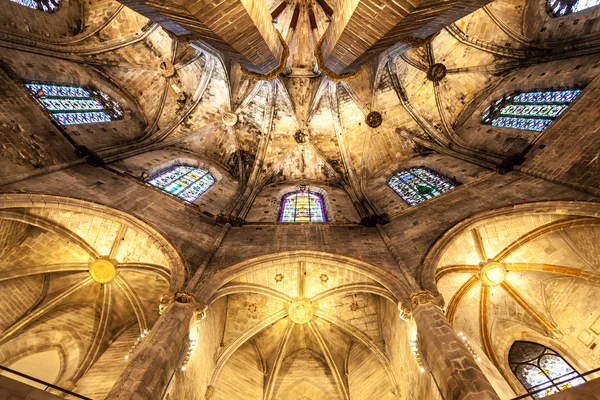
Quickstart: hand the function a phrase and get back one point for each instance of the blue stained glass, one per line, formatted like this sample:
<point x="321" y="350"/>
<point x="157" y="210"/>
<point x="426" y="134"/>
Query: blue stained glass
<point x="81" y="118"/>
<point x="71" y="105"/>
<point x="44" y="5"/>
<point x="562" y="96"/>
<point x="560" y="8"/>
<point x="415" y="185"/>
<point x="533" y="111"/>
<point x="532" y="124"/>
<point x="302" y="206"/>
<point x="185" y="182"/>
<point x="541" y="370"/>
<point x="57" y="90"/>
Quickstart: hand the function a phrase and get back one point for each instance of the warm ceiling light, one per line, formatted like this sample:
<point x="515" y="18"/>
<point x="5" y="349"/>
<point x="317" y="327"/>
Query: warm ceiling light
<point x="103" y="270"/>
<point x="492" y="273"/>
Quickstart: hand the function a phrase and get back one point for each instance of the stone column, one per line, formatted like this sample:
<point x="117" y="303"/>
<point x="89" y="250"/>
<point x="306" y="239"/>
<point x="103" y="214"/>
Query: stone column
<point x="161" y="352"/>
<point x="455" y="370"/>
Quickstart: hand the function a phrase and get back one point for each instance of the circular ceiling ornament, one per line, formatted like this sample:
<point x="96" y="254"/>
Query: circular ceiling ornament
<point x="229" y="119"/>
<point x="103" y="270"/>
<point x="301" y="136"/>
<point x="492" y="272"/>
<point x="167" y="68"/>
<point x="374" y="119"/>
<point x="436" y="72"/>
<point x="301" y="311"/>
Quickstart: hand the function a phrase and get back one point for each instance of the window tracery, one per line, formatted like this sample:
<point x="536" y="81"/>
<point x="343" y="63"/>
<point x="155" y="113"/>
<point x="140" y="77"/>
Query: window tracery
<point x="302" y="206"/>
<point x="533" y="111"/>
<point x="539" y="367"/>
<point x="42" y="5"/>
<point x="71" y="105"/>
<point x="416" y="185"/>
<point x="560" y="8"/>
<point x="187" y="183"/>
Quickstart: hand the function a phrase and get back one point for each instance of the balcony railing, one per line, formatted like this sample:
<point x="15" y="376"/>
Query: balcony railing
<point x="557" y="381"/>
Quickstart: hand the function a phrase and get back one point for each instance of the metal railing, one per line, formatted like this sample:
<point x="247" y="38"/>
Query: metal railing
<point x="555" y="382"/>
<point x="48" y="385"/>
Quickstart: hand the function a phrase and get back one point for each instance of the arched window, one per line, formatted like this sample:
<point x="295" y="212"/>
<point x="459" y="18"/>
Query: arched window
<point x="539" y="367"/>
<point x="302" y="206"/>
<point x="70" y="105"/>
<point x="559" y="8"/>
<point x="42" y="5"/>
<point x="187" y="183"/>
<point x="415" y="185"/>
<point x="532" y="111"/>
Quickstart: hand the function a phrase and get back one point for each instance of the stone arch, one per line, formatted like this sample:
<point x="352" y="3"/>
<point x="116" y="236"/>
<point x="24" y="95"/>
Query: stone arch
<point x="213" y="280"/>
<point x="426" y="271"/>
<point x="20" y="200"/>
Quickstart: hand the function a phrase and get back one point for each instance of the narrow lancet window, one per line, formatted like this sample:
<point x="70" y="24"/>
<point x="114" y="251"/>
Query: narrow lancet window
<point x="416" y="185"/>
<point x="302" y="206"/>
<point x="42" y="5"/>
<point x="532" y="111"/>
<point x="560" y="8"/>
<point x="71" y="105"/>
<point x="187" y="183"/>
<point x="541" y="370"/>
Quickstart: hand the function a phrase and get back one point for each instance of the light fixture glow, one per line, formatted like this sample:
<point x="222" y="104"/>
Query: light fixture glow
<point x="492" y="273"/>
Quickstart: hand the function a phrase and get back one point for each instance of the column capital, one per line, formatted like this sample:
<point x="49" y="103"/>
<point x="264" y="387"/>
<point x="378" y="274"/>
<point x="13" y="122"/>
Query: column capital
<point x="419" y="298"/>
<point x="184" y="297"/>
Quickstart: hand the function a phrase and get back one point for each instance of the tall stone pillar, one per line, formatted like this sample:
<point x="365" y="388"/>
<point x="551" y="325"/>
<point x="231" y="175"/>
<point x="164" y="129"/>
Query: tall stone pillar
<point x="161" y="352"/>
<point x="455" y="370"/>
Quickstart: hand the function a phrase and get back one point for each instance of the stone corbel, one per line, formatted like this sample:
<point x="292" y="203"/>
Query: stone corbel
<point x="420" y="298"/>
<point x="184" y="298"/>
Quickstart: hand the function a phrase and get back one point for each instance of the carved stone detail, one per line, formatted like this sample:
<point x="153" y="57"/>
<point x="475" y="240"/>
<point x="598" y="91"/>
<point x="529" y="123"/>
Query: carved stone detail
<point x="419" y="298"/>
<point x="229" y="119"/>
<point x="374" y="119"/>
<point x="184" y="298"/>
<point x="436" y="72"/>
<point x="301" y="136"/>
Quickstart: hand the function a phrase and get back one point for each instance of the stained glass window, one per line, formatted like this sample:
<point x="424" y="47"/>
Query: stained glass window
<point x="415" y="185"/>
<point x="541" y="370"/>
<point x="302" y="206"/>
<point x="559" y="8"/>
<point x="187" y="183"/>
<point x="70" y="105"/>
<point x="532" y="111"/>
<point x="42" y="5"/>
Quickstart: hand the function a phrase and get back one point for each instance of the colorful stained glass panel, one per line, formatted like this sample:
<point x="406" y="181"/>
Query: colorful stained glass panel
<point x="43" y="5"/>
<point x="533" y="124"/>
<point x="70" y="105"/>
<point x="185" y="182"/>
<point x="541" y="371"/>
<point x="533" y="111"/>
<point x="415" y="185"/>
<point x="302" y="206"/>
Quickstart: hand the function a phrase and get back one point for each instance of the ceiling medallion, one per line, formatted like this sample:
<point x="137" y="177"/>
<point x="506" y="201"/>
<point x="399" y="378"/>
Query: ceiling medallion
<point x="279" y="278"/>
<point x="324" y="278"/>
<point x="300" y="311"/>
<point x="229" y="119"/>
<point x="374" y="119"/>
<point x="436" y="72"/>
<point x="301" y="136"/>
<point x="103" y="270"/>
<point x="492" y="272"/>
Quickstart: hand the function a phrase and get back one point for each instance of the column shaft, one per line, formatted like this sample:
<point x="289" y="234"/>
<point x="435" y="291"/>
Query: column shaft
<point x="455" y="370"/>
<point x="148" y="373"/>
